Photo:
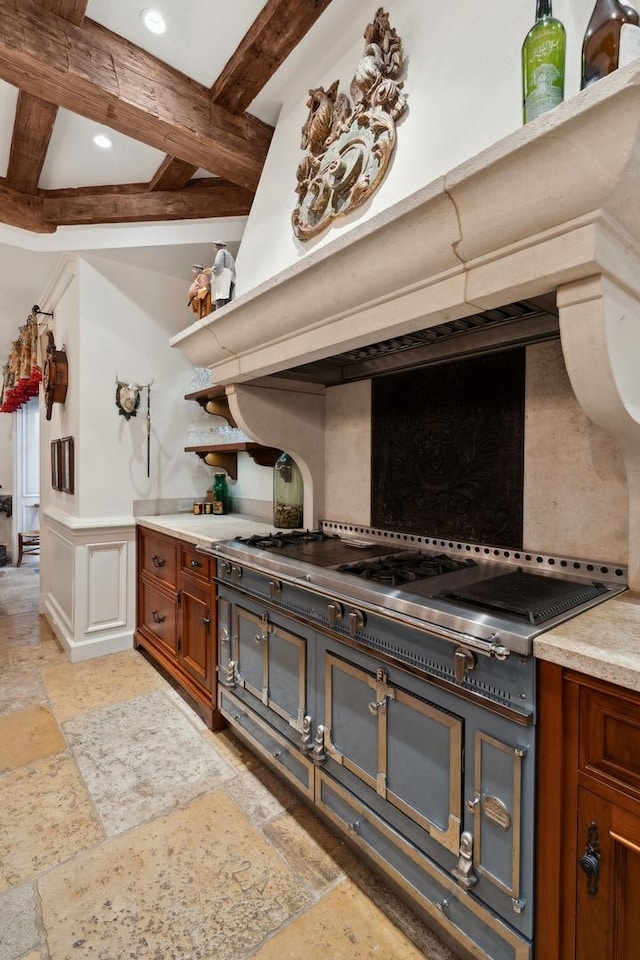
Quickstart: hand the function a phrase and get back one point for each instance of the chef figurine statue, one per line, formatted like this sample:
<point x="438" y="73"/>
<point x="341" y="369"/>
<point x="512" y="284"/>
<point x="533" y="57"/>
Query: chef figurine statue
<point x="200" y="291"/>
<point x="223" y="274"/>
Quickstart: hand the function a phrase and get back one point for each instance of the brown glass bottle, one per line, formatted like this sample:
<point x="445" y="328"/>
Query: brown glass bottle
<point x="612" y="39"/>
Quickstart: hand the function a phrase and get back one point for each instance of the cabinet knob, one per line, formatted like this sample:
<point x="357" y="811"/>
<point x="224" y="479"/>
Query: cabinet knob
<point x="206" y="621"/>
<point x="376" y="705"/>
<point x="158" y="561"/>
<point x="196" y="563"/>
<point x="158" y="617"/>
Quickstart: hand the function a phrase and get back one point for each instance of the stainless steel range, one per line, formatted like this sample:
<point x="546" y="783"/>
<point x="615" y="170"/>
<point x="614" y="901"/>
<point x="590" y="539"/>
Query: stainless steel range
<point x="391" y="679"/>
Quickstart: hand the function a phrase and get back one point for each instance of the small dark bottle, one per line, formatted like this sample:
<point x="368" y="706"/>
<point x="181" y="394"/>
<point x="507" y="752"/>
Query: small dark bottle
<point x="611" y="40"/>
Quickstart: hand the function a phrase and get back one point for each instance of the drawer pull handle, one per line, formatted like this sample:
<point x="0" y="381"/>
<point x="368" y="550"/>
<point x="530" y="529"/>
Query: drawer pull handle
<point x="196" y="563"/>
<point x="158" y="617"/>
<point x="355" y="825"/>
<point x="625" y="843"/>
<point x="278" y="754"/>
<point x="158" y="561"/>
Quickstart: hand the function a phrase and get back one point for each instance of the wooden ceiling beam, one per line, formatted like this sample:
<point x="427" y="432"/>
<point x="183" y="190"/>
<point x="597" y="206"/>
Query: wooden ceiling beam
<point x="35" y="118"/>
<point x="32" y="131"/>
<point x="133" y="203"/>
<point x="101" y="76"/>
<point x="172" y="174"/>
<point x="275" y="32"/>
<point x="22" y="210"/>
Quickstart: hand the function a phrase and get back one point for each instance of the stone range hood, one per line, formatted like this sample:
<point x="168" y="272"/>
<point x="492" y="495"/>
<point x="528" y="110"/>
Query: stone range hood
<point x="555" y="206"/>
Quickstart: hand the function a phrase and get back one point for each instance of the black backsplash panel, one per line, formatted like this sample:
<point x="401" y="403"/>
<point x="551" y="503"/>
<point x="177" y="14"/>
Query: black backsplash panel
<point x="448" y="450"/>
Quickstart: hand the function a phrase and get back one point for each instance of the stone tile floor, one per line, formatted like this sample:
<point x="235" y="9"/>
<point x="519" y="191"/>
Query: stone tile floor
<point x="129" y="830"/>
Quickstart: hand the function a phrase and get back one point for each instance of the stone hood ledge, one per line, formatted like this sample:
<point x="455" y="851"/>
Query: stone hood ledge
<point x="522" y="217"/>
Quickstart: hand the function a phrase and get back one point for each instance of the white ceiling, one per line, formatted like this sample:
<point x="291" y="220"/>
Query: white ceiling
<point x="201" y="37"/>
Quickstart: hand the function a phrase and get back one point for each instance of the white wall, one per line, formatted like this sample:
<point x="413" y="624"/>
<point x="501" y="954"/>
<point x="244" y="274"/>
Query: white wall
<point x="127" y="317"/>
<point x="463" y="80"/>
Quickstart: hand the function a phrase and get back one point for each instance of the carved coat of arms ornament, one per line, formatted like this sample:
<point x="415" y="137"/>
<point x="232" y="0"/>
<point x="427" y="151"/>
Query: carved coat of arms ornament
<point x="348" y="143"/>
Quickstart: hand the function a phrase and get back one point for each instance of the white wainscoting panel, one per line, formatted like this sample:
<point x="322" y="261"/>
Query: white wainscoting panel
<point x="107" y="586"/>
<point x="88" y="582"/>
<point x="61" y="568"/>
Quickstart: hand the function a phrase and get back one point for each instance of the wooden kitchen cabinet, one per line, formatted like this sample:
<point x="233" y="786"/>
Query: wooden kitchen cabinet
<point x="588" y="818"/>
<point x="176" y="616"/>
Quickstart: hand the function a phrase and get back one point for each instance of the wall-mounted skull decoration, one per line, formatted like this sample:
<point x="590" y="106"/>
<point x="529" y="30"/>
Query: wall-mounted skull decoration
<point x="127" y="398"/>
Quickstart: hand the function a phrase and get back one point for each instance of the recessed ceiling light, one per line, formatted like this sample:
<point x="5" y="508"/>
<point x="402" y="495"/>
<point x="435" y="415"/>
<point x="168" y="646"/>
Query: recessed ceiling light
<point x="154" y="21"/>
<point x="103" y="141"/>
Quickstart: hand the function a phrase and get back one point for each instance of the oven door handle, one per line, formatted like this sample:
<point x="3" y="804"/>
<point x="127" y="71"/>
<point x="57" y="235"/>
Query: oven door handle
<point x="491" y="647"/>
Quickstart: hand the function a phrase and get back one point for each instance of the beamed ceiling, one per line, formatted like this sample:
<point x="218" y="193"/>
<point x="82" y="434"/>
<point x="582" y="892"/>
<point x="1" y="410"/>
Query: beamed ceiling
<point x="181" y="101"/>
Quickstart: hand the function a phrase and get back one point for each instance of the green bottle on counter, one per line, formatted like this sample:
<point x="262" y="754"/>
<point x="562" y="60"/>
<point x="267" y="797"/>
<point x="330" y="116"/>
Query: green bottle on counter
<point x="543" y="60"/>
<point x="220" y="493"/>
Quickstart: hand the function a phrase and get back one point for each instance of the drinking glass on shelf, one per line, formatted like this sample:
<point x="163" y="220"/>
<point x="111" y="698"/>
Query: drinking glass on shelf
<point x="201" y="378"/>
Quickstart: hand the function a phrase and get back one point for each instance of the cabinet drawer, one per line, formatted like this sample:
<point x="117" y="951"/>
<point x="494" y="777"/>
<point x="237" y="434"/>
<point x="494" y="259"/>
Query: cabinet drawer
<point x="197" y="564"/>
<point x="267" y="743"/>
<point x="158" y="615"/>
<point x="610" y="738"/>
<point x="159" y="558"/>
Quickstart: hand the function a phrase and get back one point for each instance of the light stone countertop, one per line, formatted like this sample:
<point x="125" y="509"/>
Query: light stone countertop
<point x="207" y="528"/>
<point x="604" y="642"/>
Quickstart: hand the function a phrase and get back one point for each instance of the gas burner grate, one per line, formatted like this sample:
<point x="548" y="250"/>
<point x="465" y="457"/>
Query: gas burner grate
<point x="404" y="567"/>
<point x="535" y="598"/>
<point x="275" y="541"/>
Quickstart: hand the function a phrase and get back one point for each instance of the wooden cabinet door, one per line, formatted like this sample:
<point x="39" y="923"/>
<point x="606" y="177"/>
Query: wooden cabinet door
<point x="196" y="637"/>
<point x="157" y="615"/>
<point x="608" y="911"/>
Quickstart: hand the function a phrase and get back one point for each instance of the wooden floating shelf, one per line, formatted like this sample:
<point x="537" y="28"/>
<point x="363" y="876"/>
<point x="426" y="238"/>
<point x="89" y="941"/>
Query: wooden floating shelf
<point x="214" y="401"/>
<point x="225" y="455"/>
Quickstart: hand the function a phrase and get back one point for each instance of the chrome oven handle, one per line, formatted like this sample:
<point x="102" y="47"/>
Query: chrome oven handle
<point x="491" y="647"/>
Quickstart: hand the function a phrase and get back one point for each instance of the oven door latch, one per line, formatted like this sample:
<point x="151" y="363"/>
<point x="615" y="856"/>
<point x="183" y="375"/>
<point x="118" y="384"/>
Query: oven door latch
<point x="463" y="870"/>
<point x="383" y="692"/>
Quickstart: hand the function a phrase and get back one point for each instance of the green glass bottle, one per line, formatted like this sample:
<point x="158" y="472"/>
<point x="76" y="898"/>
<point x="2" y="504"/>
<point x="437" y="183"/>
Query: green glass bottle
<point x="543" y="60"/>
<point x="220" y="494"/>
